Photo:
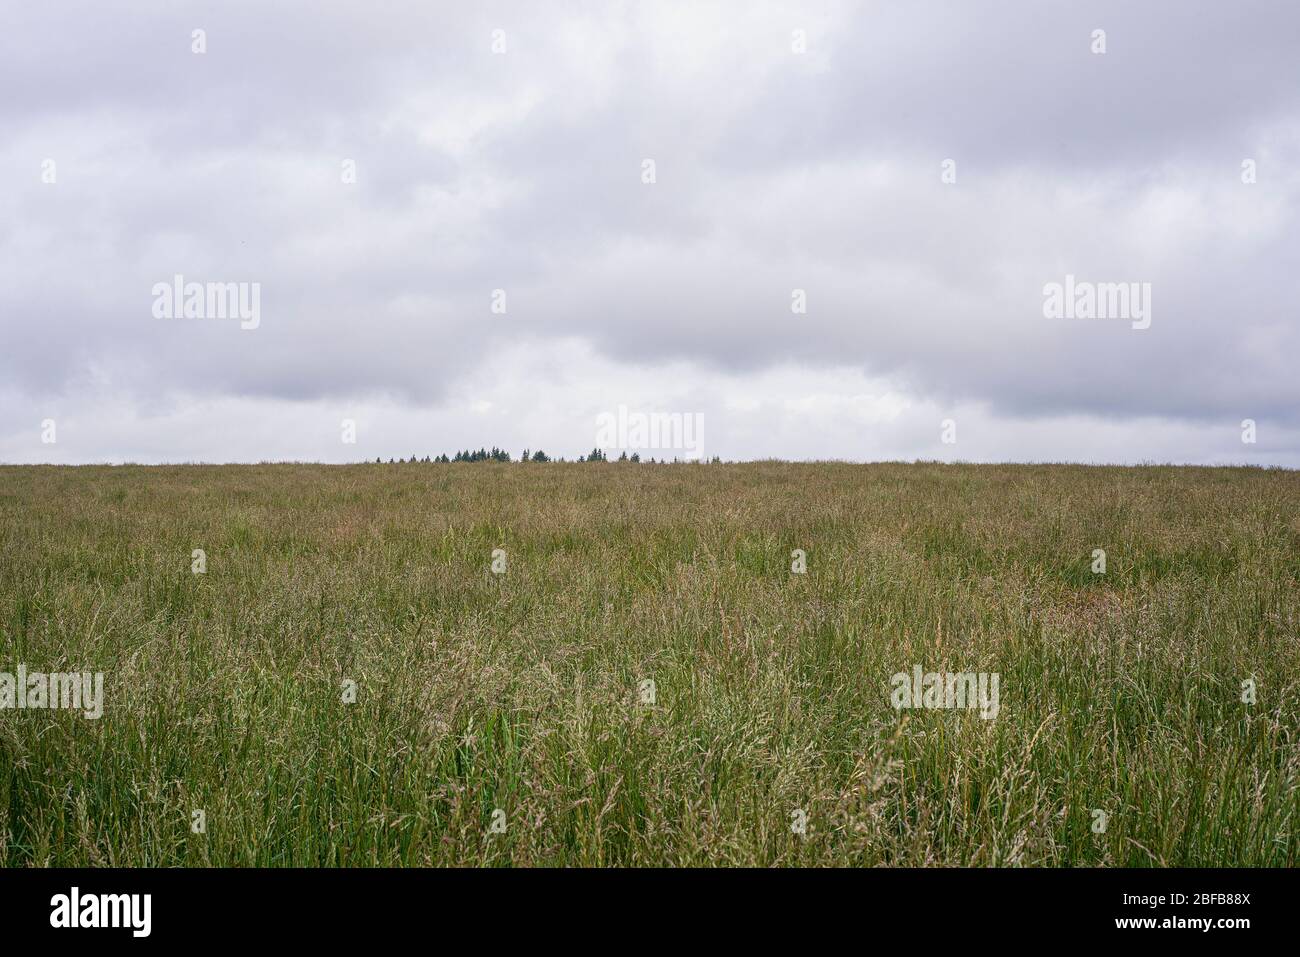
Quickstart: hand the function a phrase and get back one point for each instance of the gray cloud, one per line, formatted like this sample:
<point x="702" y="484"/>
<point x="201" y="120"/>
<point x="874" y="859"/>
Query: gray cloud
<point x="775" y="171"/>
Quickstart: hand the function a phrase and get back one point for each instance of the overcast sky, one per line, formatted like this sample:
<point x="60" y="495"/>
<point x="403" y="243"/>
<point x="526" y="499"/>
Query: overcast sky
<point x="795" y="147"/>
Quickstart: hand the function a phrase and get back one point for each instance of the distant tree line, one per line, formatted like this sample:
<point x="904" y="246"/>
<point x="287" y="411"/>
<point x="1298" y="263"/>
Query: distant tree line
<point x="501" y="455"/>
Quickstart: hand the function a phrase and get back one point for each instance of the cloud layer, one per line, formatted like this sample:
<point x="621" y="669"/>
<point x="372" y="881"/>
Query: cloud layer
<point x="775" y="171"/>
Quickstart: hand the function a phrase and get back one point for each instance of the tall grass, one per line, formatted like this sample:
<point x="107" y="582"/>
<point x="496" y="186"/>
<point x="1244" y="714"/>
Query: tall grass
<point x="1120" y="692"/>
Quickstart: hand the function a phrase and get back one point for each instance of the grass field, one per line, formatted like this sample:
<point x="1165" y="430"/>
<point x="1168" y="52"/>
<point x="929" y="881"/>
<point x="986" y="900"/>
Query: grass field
<point x="224" y="692"/>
